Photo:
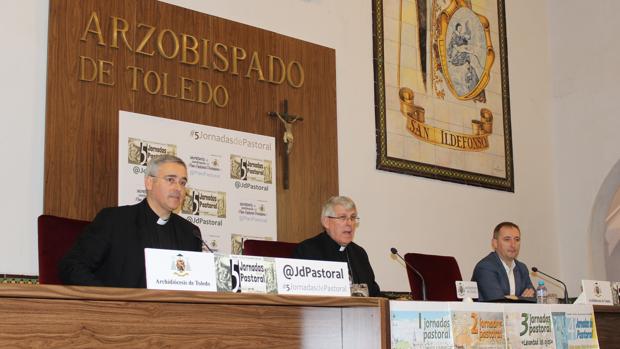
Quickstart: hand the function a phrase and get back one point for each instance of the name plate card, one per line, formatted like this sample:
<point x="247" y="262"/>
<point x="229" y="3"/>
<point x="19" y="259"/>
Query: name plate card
<point x="179" y="270"/>
<point x="466" y="289"/>
<point x="597" y="292"/>
<point x="309" y="277"/>
<point x="245" y="274"/>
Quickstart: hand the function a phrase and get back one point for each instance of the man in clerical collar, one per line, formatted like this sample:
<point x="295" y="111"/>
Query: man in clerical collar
<point x="110" y="251"/>
<point x="340" y="220"/>
<point x="500" y="273"/>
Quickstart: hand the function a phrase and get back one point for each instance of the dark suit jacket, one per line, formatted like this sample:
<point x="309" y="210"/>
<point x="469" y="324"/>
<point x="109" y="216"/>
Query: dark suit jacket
<point x="492" y="278"/>
<point x="323" y="248"/>
<point x="110" y="251"/>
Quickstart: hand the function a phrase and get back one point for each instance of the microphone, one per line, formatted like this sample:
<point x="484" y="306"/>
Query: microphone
<point x="534" y="269"/>
<point x="198" y="236"/>
<point x="395" y="252"/>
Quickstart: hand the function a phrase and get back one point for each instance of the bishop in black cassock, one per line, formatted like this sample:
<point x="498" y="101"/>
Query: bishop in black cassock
<point x="340" y="220"/>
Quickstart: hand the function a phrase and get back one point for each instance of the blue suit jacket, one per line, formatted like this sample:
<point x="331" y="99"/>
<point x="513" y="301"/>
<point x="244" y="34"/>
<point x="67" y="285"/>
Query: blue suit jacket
<point x="492" y="278"/>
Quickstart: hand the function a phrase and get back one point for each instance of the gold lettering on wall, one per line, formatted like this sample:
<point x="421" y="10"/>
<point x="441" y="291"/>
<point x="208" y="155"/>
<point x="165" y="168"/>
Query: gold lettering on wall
<point x="145" y="40"/>
<point x="104" y="57"/>
<point x="99" y="71"/>
<point x="148" y="40"/>
<point x="93" y="20"/>
<point x="255" y="66"/>
<point x="183" y="88"/>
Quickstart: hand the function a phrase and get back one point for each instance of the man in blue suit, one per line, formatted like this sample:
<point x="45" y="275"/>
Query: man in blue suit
<point x="500" y="274"/>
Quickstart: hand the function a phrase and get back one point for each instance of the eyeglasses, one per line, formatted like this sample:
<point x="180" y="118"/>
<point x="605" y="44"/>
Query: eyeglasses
<point x="344" y="219"/>
<point x="172" y="180"/>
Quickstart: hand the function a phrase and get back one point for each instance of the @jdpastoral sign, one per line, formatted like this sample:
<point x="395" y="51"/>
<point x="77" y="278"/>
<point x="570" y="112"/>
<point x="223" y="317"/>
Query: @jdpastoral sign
<point x="308" y="277"/>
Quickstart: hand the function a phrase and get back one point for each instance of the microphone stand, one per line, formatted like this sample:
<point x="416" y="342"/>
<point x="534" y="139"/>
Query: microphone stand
<point x="198" y="236"/>
<point x="395" y="252"/>
<point x="534" y="269"/>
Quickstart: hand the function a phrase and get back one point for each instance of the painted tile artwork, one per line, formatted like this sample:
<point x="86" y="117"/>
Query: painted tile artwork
<point x="441" y="91"/>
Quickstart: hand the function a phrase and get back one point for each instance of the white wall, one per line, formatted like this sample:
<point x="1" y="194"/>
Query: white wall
<point x="410" y="213"/>
<point x="585" y="71"/>
<point x="23" y="34"/>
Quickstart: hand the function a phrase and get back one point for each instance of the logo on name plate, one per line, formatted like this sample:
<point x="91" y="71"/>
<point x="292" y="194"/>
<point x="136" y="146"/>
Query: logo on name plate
<point x="597" y="290"/>
<point x="180" y="266"/>
<point x="460" y="290"/>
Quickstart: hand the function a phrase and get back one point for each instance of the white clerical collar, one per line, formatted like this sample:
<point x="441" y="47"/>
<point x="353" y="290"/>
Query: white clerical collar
<point x="162" y="221"/>
<point x="342" y="248"/>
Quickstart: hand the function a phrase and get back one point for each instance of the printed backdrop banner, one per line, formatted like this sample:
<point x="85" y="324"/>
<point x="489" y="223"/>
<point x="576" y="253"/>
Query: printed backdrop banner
<point x="478" y="325"/>
<point x="529" y="326"/>
<point x="497" y="326"/>
<point x="231" y="192"/>
<point x="420" y="325"/>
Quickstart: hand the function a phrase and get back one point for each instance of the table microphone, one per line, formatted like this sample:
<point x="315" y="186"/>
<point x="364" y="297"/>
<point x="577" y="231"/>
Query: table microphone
<point x="198" y="236"/>
<point x="534" y="269"/>
<point x="395" y="252"/>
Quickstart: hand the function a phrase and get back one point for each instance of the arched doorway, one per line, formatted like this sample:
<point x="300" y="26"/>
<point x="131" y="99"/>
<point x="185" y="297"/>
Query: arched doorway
<point x="605" y="228"/>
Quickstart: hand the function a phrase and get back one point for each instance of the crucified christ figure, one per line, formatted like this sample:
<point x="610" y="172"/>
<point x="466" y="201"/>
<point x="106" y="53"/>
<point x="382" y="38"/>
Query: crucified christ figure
<point x="288" y="121"/>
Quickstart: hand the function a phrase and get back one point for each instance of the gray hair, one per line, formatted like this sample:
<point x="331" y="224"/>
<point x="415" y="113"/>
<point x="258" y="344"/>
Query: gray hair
<point x="344" y="201"/>
<point x="153" y="166"/>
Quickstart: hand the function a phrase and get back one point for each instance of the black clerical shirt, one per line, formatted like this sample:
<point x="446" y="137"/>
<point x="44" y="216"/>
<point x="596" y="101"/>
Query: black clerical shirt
<point x="159" y="235"/>
<point x="323" y="247"/>
<point x="110" y="251"/>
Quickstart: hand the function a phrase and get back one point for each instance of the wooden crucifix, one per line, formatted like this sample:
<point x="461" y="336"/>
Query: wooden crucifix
<point x="287" y="120"/>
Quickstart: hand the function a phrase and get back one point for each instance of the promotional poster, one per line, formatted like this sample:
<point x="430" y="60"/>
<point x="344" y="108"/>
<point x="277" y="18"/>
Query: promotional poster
<point x="230" y="193"/>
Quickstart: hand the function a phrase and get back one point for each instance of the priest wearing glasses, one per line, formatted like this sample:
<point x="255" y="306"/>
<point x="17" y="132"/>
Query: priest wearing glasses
<point x="110" y="251"/>
<point x="339" y="219"/>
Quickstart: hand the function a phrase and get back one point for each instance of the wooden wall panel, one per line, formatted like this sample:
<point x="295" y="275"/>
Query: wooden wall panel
<point x="82" y="116"/>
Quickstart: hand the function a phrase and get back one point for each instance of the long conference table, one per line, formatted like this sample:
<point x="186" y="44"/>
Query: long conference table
<point x="51" y="316"/>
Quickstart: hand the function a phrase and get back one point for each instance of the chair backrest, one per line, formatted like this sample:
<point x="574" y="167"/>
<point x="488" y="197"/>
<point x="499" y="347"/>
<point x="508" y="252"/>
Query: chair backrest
<point x="56" y="236"/>
<point x="439" y="272"/>
<point x="267" y="248"/>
